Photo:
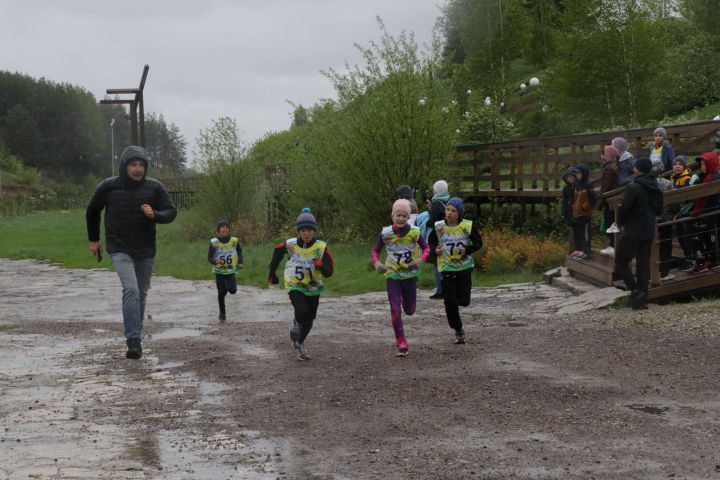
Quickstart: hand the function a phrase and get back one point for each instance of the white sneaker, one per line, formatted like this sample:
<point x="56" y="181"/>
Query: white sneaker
<point x="667" y="277"/>
<point x="608" y="251"/>
<point x="613" y="228"/>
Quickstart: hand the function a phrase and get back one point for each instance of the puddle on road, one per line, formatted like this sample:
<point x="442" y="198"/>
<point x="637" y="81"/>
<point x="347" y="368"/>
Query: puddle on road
<point x="171" y="453"/>
<point x="651" y="409"/>
<point x="177" y="333"/>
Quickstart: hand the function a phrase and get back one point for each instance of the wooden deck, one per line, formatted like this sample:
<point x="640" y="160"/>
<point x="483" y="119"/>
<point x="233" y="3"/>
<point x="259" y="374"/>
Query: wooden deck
<point x="598" y="270"/>
<point x="530" y="171"/>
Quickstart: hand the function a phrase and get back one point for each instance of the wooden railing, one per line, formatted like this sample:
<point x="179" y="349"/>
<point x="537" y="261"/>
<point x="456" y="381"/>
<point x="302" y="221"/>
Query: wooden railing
<point x="674" y="197"/>
<point x="533" y="169"/>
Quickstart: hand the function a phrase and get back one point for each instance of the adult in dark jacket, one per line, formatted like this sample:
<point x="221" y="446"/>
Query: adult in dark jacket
<point x="642" y="201"/>
<point x="133" y="204"/>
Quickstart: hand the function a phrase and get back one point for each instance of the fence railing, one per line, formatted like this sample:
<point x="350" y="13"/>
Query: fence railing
<point x="533" y="169"/>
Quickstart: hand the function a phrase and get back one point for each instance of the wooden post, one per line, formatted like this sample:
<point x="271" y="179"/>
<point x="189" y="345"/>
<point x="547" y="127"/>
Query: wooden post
<point x="655" y="260"/>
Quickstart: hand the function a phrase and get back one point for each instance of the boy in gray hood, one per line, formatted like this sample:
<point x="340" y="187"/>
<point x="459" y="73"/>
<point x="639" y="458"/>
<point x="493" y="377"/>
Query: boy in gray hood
<point x="133" y="204"/>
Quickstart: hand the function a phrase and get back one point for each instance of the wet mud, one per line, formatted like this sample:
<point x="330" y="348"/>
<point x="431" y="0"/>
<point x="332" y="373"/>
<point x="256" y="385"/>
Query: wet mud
<point x="609" y="394"/>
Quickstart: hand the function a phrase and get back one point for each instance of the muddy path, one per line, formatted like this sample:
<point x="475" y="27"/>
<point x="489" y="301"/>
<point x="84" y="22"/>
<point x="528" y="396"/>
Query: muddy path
<point x="607" y="394"/>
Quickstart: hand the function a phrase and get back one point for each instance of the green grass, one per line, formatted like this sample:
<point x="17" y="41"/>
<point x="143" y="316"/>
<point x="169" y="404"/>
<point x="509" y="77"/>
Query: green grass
<point x="60" y="237"/>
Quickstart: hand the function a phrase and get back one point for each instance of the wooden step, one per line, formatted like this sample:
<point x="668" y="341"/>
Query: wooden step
<point x="597" y="269"/>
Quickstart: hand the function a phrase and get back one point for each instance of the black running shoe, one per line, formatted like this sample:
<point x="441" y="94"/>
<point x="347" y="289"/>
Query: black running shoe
<point x="459" y="337"/>
<point x="134" y="350"/>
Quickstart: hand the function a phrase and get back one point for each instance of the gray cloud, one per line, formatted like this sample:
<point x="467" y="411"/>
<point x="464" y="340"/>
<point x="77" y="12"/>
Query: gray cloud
<point x="241" y="59"/>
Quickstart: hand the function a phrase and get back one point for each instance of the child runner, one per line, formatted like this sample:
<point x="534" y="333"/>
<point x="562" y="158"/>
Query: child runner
<point x="406" y="250"/>
<point x="309" y="261"/>
<point x="454" y="240"/>
<point x="225" y="255"/>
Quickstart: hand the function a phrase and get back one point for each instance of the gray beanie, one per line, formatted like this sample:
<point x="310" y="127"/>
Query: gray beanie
<point x="660" y="131"/>
<point x="306" y="220"/>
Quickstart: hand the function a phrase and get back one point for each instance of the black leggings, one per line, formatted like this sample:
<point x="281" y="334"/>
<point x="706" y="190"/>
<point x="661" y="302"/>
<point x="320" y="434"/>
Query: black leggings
<point x="456" y="288"/>
<point x="305" y="311"/>
<point x="225" y="284"/>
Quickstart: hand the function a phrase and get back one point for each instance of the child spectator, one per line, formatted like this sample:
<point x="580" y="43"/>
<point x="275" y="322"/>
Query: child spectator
<point x="626" y="162"/>
<point x="681" y="178"/>
<point x="582" y="212"/>
<point x="454" y="240"/>
<point x="664" y="232"/>
<point x="568" y="198"/>
<point x="662" y="151"/>
<point x="610" y="181"/>
<point x="704" y="229"/>
<point x="309" y="261"/>
<point x="406" y="250"/>
<point x="437" y="213"/>
<point x="225" y="255"/>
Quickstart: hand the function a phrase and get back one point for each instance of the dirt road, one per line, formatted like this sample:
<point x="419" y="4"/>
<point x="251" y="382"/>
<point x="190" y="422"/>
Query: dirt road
<point x="609" y="394"/>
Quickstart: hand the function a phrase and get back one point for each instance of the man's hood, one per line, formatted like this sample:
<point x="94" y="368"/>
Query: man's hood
<point x="648" y="181"/>
<point x="131" y="153"/>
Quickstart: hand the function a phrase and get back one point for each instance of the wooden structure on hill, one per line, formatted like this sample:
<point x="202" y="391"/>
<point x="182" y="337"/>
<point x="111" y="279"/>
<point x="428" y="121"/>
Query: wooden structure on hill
<point x="530" y="171"/>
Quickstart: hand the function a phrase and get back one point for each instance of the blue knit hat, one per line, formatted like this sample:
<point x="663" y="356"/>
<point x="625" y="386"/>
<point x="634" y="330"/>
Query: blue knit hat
<point x="305" y="220"/>
<point x="458" y="204"/>
<point x="681" y="160"/>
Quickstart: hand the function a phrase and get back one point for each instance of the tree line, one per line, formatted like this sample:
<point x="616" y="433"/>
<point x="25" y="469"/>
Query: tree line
<point x="598" y="65"/>
<point x="61" y="130"/>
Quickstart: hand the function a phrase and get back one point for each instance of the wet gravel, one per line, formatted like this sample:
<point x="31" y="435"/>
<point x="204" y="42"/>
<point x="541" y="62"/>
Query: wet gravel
<point x="605" y="394"/>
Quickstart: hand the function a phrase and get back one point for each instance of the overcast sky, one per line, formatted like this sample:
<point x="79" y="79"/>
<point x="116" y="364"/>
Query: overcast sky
<point x="208" y="58"/>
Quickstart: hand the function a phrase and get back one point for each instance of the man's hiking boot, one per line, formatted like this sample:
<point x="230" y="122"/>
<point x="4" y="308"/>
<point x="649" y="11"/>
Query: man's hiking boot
<point x="134" y="349"/>
<point x="459" y="337"/>
<point x="437" y="296"/>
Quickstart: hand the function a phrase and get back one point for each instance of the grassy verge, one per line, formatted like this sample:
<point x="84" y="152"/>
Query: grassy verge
<point x="60" y="237"/>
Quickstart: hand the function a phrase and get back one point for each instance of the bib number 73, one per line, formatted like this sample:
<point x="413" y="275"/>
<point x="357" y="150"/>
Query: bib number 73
<point x="452" y="246"/>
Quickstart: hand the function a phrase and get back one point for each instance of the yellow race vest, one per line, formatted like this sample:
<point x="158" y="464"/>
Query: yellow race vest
<point x="226" y="253"/>
<point x="451" y="239"/>
<point x="400" y="252"/>
<point x="300" y="273"/>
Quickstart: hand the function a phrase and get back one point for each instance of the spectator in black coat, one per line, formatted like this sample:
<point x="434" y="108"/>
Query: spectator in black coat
<point x="642" y="202"/>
